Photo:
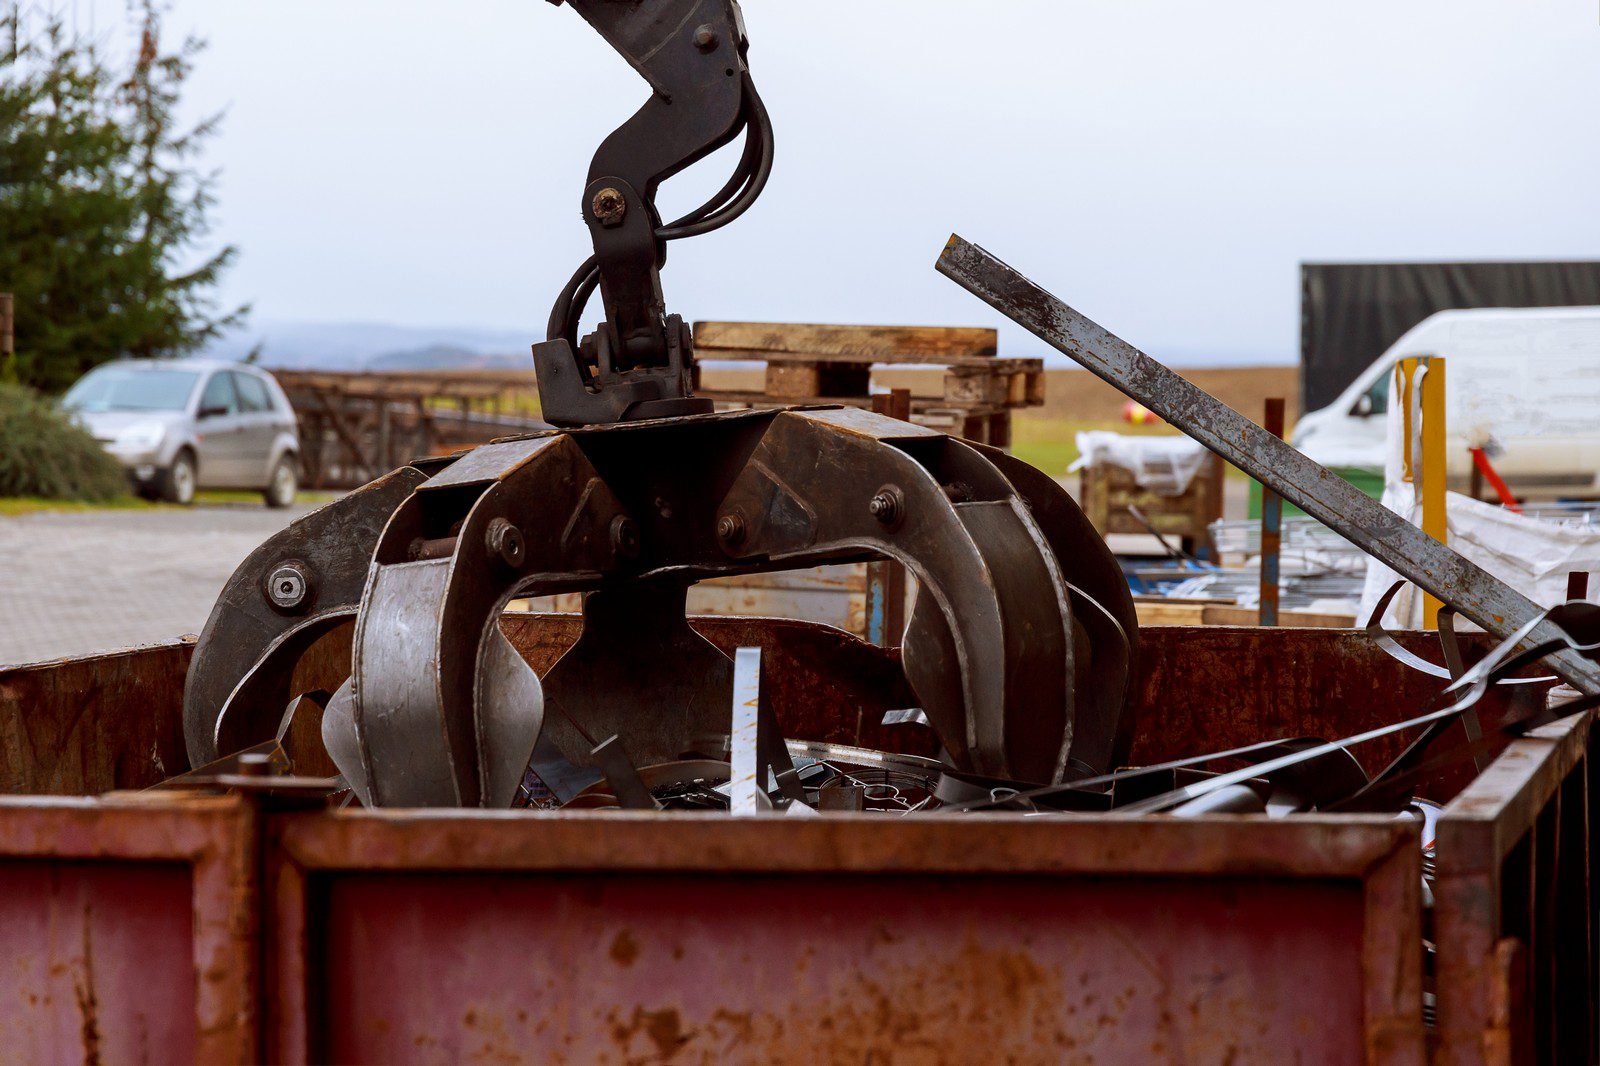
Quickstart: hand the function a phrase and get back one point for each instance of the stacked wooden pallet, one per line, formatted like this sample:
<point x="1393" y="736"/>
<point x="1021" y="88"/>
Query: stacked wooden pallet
<point x="834" y="364"/>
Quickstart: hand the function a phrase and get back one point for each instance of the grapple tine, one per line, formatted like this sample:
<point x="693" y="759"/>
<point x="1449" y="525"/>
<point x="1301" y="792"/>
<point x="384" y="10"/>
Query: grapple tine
<point x="445" y="713"/>
<point x="303" y="582"/>
<point x="1102" y="609"/>
<point x="993" y="669"/>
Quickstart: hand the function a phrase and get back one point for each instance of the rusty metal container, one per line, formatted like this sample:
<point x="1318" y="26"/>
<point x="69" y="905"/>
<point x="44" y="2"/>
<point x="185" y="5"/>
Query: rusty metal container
<point x="158" y="926"/>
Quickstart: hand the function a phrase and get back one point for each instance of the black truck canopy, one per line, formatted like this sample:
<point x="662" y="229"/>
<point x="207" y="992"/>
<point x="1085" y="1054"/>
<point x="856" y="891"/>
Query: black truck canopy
<point x="1350" y="313"/>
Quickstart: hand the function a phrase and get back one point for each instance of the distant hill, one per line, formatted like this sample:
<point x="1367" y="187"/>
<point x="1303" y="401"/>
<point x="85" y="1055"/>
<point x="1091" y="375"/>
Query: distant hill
<point x="375" y="346"/>
<point x="354" y="346"/>
<point x="447" y="357"/>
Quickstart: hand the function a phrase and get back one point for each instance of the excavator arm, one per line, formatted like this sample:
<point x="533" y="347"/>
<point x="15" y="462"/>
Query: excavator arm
<point x="638" y="363"/>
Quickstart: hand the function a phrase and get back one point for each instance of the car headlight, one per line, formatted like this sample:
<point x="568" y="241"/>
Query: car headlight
<point x="142" y="435"/>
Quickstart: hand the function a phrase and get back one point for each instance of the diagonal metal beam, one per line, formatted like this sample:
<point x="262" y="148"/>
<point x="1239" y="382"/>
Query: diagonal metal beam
<point x="1313" y="488"/>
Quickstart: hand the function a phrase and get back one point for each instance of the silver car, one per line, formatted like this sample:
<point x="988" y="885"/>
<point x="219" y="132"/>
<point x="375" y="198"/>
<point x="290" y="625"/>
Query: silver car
<point x="178" y="425"/>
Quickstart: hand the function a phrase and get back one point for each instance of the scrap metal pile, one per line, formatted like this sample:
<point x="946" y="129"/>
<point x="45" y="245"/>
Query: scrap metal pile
<point x="1019" y="645"/>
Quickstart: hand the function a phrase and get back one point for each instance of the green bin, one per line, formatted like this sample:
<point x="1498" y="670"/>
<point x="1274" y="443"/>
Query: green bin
<point x="1366" y="479"/>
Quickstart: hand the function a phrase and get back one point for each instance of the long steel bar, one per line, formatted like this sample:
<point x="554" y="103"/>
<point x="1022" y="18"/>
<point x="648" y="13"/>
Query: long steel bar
<point x="1313" y="488"/>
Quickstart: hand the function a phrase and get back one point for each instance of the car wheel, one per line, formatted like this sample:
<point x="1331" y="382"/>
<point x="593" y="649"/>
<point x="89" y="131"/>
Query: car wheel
<point x="285" y="483"/>
<point x="177" y="481"/>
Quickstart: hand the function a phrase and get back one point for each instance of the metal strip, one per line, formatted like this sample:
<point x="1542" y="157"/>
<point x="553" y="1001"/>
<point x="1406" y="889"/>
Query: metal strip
<point x="745" y="790"/>
<point x="1271" y="528"/>
<point x="1313" y="488"/>
<point x="621" y="775"/>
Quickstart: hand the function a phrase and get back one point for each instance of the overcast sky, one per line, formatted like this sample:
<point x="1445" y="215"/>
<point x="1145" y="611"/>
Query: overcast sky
<point x="1164" y="165"/>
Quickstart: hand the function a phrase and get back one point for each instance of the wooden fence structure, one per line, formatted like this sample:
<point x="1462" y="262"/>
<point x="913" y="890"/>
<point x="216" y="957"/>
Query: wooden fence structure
<point x="356" y="427"/>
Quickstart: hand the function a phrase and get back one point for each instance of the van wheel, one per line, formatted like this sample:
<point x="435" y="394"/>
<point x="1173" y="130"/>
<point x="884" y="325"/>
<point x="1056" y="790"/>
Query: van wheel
<point x="176" y="483"/>
<point x="285" y="483"/>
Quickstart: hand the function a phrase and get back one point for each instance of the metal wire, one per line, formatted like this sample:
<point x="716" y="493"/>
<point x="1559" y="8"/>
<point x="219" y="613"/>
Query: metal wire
<point x="760" y="126"/>
<point x="885" y="786"/>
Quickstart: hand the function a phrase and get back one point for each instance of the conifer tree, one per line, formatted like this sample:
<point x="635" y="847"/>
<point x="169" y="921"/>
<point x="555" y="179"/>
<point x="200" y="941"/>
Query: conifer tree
<point x="103" y="206"/>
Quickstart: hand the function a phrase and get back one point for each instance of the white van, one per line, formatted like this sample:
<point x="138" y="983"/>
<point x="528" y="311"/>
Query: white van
<point x="1524" y="383"/>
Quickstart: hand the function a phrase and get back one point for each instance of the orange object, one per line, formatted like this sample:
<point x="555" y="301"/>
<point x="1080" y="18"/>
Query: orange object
<point x="1138" y="414"/>
<point x="1480" y="459"/>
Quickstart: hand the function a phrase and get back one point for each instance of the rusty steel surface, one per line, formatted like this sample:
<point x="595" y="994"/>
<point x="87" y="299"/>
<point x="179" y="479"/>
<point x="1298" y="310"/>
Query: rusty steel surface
<point x="99" y="968"/>
<point x="893" y="969"/>
<point x="1207" y="688"/>
<point x="1349" y="882"/>
<point x="85" y="726"/>
<point x="1271" y="525"/>
<point x="80" y="726"/>
<point x="129" y="930"/>
<point x="1514" y="910"/>
<point x="1379" y="532"/>
<point x="731" y="939"/>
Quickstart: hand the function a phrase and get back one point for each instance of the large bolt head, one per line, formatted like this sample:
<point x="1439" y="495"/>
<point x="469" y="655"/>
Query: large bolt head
<point x="730" y="529"/>
<point x="289" y="587"/>
<point x="705" y="38"/>
<point x="625" y="536"/>
<point x="888" y="505"/>
<point x="609" y="207"/>
<point x="505" y="540"/>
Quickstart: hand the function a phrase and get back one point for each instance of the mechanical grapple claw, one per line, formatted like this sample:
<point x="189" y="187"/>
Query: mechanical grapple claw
<point x="1018" y="643"/>
<point x="1021" y="670"/>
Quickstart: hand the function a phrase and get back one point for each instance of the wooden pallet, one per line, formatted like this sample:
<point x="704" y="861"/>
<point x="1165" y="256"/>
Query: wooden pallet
<point x="1166" y="611"/>
<point x="808" y="363"/>
<point x="1106" y="493"/>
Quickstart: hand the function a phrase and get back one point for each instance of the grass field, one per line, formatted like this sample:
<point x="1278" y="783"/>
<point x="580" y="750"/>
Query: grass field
<point x="1076" y="401"/>
<point x="11" y="506"/>
<point x="1051" y="443"/>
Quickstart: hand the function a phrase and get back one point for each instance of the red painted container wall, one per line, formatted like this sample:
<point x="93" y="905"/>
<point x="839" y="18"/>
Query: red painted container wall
<point x="98" y="962"/>
<point x="165" y="928"/>
<point x="600" y="968"/>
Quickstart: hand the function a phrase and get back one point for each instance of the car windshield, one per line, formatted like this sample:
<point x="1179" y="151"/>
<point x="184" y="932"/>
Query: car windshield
<point x="123" y="388"/>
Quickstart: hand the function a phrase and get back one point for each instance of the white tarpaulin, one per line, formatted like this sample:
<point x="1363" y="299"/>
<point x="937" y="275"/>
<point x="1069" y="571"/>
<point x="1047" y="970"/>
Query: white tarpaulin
<point x="1164" y="465"/>
<point x="1532" y="555"/>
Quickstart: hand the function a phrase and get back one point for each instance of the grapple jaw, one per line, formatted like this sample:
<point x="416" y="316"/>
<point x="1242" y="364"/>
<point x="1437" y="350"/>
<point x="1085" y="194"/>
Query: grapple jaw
<point x="1017" y="646"/>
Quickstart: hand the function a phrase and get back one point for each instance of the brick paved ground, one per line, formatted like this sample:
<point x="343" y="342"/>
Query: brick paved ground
<point x="73" y="583"/>
<point x="81" y="582"/>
